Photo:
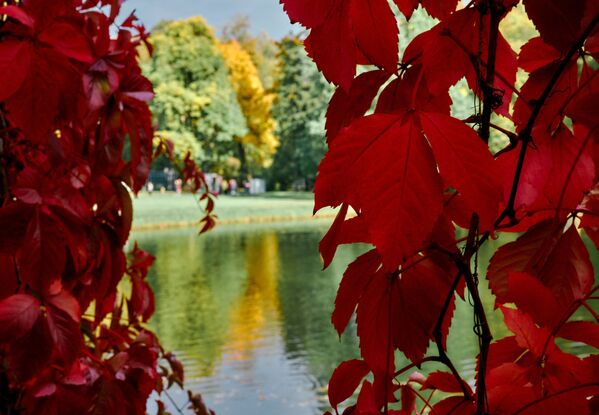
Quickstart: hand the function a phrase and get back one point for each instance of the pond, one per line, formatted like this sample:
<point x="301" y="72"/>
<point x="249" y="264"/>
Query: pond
<point x="247" y="309"/>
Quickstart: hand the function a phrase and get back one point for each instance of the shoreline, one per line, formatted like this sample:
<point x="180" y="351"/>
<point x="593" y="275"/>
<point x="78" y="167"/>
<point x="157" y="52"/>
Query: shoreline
<point x="245" y="220"/>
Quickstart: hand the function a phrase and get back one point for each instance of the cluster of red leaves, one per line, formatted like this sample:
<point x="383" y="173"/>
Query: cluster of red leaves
<point x="72" y="340"/>
<point x="412" y="174"/>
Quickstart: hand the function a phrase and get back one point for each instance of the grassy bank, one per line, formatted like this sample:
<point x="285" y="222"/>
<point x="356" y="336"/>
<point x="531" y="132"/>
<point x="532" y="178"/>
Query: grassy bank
<point x="170" y="210"/>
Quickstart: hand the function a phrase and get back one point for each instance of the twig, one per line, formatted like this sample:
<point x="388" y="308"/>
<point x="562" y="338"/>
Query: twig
<point x="438" y="336"/>
<point x="590" y="310"/>
<point x="173" y="402"/>
<point x="525" y="134"/>
<point x="488" y="88"/>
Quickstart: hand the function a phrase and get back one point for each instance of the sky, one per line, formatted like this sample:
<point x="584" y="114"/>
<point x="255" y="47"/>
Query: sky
<point x="265" y="15"/>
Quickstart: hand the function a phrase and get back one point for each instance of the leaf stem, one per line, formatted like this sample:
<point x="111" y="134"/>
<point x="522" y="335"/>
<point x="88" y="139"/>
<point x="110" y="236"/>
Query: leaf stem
<point x="525" y="135"/>
<point x="487" y="87"/>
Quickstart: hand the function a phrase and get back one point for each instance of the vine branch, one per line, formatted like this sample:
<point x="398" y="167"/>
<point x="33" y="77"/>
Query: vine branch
<point x="525" y="135"/>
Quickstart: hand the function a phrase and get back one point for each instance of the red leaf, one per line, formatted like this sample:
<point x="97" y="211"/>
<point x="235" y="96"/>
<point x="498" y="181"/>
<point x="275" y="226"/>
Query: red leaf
<point x="547" y="15"/>
<point x="444" y="382"/>
<point x="581" y="331"/>
<point x="559" y="260"/>
<point x="346" y="106"/>
<point x="67" y="303"/>
<point x="14" y="64"/>
<point x="366" y="400"/>
<point x="411" y="92"/>
<point x="569" y="158"/>
<point x="528" y="335"/>
<point x="345" y="380"/>
<point x="65" y="333"/>
<point x="18" y="14"/>
<point x="309" y="13"/>
<point x="42" y="263"/>
<point x="346" y="32"/>
<point x="465" y="164"/>
<point x="532" y="297"/>
<point x="376" y="32"/>
<point x="417" y="301"/>
<point x="18" y="314"/>
<point x="439" y="9"/>
<point x="355" y="280"/>
<point x="454" y="405"/>
<point x="407" y="7"/>
<point x="550" y="115"/>
<point x="14" y="220"/>
<point x="536" y="53"/>
<point x="342" y="232"/>
<point x="332" y="49"/>
<point x="69" y="41"/>
<point x="383" y="165"/>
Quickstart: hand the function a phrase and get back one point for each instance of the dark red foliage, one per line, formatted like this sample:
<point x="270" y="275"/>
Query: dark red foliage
<point x="71" y="95"/>
<point x="407" y="175"/>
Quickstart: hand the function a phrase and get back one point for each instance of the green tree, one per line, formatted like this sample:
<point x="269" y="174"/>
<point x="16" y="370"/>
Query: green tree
<point x="299" y="109"/>
<point x="194" y="95"/>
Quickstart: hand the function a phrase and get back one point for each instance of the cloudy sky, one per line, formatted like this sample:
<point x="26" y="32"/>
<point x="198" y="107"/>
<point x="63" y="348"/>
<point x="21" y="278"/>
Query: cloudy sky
<point x="265" y="15"/>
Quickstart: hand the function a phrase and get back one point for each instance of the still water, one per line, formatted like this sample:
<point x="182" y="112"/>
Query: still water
<point x="247" y="309"/>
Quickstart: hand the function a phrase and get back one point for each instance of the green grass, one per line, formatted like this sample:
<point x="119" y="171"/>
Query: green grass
<point x="170" y="210"/>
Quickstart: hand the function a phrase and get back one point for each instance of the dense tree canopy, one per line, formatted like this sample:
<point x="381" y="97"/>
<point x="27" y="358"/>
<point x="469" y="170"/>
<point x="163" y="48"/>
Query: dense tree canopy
<point x="260" y="144"/>
<point x="194" y="94"/>
<point x="302" y="94"/>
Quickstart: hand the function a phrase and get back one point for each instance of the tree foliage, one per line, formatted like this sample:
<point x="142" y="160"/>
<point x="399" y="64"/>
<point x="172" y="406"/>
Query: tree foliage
<point x="300" y="105"/>
<point x="73" y="306"/>
<point x="260" y="144"/>
<point x="414" y="177"/>
<point x="194" y="95"/>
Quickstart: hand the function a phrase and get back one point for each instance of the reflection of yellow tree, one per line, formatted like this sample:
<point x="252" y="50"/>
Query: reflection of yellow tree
<point x="257" y="314"/>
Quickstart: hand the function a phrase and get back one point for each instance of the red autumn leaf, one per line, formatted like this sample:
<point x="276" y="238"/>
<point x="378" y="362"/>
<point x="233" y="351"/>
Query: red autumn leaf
<point x="531" y="296"/>
<point x="18" y="14"/>
<point x="375" y="30"/>
<point x="68" y="40"/>
<point x="536" y="54"/>
<point x="443" y="381"/>
<point x="18" y="314"/>
<point x="42" y="263"/>
<point x="65" y="333"/>
<point x="465" y="164"/>
<point x="346" y="106"/>
<point x="569" y="157"/>
<point x="411" y="92"/>
<point x="559" y="260"/>
<point x="383" y="165"/>
<point x="344" y="32"/>
<point x="345" y="379"/>
<point x="528" y="336"/>
<point x="417" y="301"/>
<point x="549" y="14"/>
<point x="366" y="400"/>
<point x="550" y="116"/>
<point x="455" y="405"/>
<point x="451" y="45"/>
<point x="355" y="280"/>
<point x="581" y="331"/>
<point x="342" y="232"/>
<point x="14" y="62"/>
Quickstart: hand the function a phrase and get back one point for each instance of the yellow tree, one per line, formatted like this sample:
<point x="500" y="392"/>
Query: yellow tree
<point x="259" y="145"/>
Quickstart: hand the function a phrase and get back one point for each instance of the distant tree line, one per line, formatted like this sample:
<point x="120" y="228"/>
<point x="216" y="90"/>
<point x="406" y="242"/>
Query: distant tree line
<point x="246" y="105"/>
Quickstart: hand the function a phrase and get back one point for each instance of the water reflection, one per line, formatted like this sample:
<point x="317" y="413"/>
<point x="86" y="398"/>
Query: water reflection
<point x="247" y="309"/>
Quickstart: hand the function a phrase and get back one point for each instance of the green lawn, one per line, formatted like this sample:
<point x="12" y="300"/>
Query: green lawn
<point x="169" y="210"/>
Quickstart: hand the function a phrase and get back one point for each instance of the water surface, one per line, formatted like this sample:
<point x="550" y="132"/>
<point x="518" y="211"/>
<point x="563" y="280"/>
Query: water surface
<point x="247" y="309"/>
